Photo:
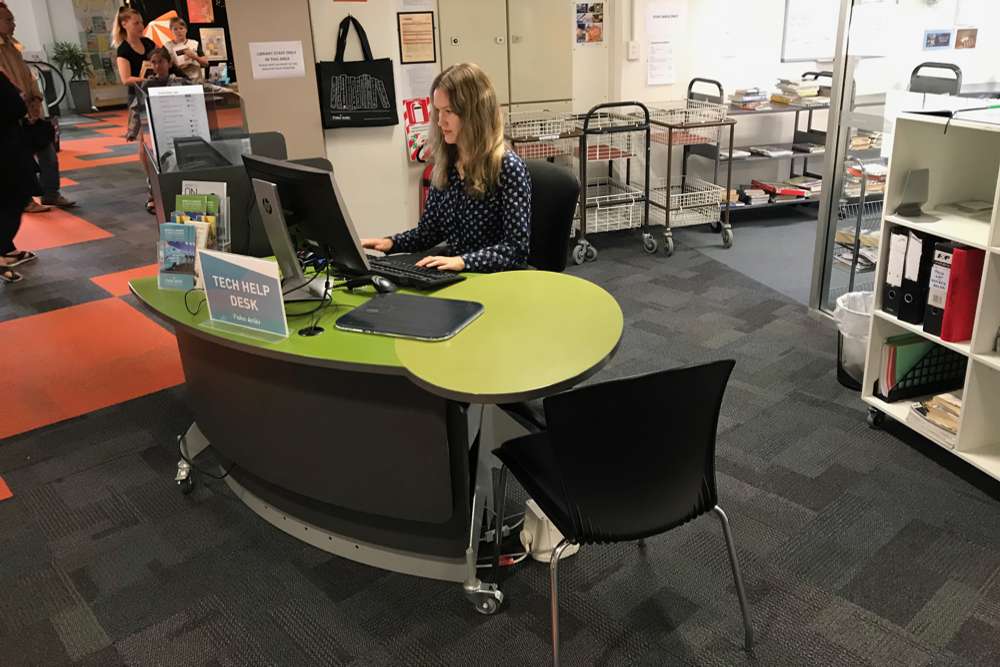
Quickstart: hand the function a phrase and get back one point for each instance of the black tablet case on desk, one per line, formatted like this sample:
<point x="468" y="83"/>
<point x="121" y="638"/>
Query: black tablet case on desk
<point x="410" y="316"/>
<point x="913" y="300"/>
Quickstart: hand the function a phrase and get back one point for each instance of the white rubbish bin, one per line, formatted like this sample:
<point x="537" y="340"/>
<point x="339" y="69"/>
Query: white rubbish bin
<point x="853" y="314"/>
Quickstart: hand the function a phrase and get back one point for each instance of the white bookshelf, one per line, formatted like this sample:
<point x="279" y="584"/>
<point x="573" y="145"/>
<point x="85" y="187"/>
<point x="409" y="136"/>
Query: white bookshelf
<point x="964" y="164"/>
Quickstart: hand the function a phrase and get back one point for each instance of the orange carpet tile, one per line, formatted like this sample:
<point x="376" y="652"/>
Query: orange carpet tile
<point x="54" y="229"/>
<point x="65" y="182"/>
<point x="116" y="284"/>
<point x="5" y="492"/>
<point x="68" y="362"/>
<point x="72" y="151"/>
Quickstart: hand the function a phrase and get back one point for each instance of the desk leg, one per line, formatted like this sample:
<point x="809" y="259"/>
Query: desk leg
<point x="189" y="445"/>
<point x="485" y="597"/>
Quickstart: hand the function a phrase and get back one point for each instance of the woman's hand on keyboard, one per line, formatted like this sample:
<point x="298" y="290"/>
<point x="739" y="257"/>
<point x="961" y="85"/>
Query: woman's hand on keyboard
<point x="443" y="263"/>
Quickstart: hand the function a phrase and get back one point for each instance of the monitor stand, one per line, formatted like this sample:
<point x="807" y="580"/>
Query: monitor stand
<point x="310" y="291"/>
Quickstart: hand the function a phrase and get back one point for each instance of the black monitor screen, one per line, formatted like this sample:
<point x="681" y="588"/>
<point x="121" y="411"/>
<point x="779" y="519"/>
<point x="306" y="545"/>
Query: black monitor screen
<point x="311" y="201"/>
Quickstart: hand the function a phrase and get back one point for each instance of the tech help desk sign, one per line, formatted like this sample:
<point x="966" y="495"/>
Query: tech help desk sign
<point x="243" y="292"/>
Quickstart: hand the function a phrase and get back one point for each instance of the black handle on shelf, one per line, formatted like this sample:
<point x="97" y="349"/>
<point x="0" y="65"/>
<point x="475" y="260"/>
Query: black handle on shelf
<point x="691" y="94"/>
<point x="612" y="105"/>
<point x="813" y="76"/>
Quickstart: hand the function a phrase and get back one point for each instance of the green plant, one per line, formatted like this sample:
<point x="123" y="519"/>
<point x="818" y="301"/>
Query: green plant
<point x="68" y="55"/>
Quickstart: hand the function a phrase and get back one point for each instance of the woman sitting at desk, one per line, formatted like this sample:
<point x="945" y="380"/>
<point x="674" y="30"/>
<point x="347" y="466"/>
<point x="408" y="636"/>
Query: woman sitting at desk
<point x="480" y="197"/>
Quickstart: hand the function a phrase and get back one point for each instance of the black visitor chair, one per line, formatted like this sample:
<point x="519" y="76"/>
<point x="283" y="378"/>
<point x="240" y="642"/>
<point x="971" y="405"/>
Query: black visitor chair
<point x="624" y="460"/>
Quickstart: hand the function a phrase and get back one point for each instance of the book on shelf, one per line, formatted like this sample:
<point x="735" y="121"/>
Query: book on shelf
<point x="782" y="98"/>
<point x="937" y="417"/>
<point x="753" y="196"/>
<point x="812" y="185"/>
<point x="799" y="87"/>
<point x="738" y="154"/>
<point x="868" y="239"/>
<point x="809" y="147"/>
<point x="771" y="151"/>
<point x="779" y="189"/>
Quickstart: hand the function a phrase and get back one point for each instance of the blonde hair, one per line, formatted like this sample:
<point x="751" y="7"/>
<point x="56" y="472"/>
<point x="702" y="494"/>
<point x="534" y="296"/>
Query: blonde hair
<point x="472" y="98"/>
<point x="118" y="33"/>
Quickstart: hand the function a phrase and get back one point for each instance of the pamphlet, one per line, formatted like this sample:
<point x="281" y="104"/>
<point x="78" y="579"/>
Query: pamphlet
<point x="177" y="251"/>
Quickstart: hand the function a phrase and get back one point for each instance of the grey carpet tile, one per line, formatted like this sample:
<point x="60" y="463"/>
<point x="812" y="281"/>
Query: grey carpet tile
<point x="858" y="546"/>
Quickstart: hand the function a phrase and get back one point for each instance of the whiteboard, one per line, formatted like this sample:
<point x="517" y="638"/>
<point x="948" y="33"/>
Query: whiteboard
<point x="810" y="31"/>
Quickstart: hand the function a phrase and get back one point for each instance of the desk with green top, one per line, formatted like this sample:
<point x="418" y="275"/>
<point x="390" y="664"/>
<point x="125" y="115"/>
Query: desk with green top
<point x="361" y="445"/>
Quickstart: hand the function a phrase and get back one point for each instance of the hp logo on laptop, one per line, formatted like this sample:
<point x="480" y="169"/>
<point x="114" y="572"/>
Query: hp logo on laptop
<point x="267" y="205"/>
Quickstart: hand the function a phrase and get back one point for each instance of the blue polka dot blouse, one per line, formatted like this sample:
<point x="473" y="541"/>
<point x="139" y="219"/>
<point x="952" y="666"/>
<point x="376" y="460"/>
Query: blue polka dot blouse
<point x="491" y="234"/>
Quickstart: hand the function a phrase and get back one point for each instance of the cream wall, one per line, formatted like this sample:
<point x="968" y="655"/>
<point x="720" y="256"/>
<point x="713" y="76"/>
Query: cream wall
<point x="290" y="106"/>
<point x="380" y="185"/>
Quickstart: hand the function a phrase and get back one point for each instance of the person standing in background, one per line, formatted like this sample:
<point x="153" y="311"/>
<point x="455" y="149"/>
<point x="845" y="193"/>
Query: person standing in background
<point x="17" y="179"/>
<point x="38" y="126"/>
<point x="186" y="53"/>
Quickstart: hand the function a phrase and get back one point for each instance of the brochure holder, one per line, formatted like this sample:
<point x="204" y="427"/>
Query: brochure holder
<point x="939" y="370"/>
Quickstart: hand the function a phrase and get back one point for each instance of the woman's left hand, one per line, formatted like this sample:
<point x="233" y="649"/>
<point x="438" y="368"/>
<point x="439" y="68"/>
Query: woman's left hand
<point x="443" y="263"/>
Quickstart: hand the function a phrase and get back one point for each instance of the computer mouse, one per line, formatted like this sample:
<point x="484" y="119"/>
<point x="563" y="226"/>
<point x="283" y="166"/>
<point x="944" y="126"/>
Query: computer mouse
<point x="383" y="285"/>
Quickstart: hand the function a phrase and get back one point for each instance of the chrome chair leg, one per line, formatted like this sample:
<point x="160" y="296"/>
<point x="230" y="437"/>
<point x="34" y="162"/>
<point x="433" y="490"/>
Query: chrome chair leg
<point x="737" y="577"/>
<point x="554" y="579"/>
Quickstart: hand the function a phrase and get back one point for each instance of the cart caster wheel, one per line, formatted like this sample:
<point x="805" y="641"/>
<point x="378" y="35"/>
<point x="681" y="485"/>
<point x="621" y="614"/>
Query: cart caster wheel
<point x="186" y="485"/>
<point x="485" y="598"/>
<point x="716" y="227"/>
<point x="579" y="254"/>
<point x="668" y="245"/>
<point x="649" y="245"/>
<point x="876" y="418"/>
<point x="727" y="238"/>
<point x="590" y="254"/>
<point x="487" y="606"/>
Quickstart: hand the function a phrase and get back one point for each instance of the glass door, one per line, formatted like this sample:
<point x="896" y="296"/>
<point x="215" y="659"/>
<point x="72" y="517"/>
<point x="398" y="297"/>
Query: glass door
<point x="892" y="56"/>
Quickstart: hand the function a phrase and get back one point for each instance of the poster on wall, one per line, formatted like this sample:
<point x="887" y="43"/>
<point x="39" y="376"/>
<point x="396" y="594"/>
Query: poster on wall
<point x="663" y="24"/>
<point x="937" y="39"/>
<point x="200" y="11"/>
<point x="416" y="37"/>
<point x="213" y="43"/>
<point x="965" y="38"/>
<point x="417" y="128"/>
<point x="95" y="18"/>
<point x="589" y="22"/>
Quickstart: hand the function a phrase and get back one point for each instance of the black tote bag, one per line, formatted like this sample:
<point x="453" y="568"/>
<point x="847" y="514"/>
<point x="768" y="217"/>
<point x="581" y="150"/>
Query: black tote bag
<point x="361" y="93"/>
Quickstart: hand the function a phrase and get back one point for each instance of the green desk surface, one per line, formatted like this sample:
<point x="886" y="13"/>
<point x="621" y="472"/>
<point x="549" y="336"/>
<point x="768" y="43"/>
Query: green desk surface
<point x="540" y="332"/>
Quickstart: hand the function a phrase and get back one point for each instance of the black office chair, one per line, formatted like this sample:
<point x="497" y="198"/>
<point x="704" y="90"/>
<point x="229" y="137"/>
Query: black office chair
<point x="920" y="83"/>
<point x="554" y="192"/>
<point x="625" y="460"/>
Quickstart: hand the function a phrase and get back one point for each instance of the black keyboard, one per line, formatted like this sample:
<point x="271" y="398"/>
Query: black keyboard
<point x="401" y="270"/>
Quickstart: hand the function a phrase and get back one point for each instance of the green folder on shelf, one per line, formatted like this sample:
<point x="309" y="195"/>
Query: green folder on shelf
<point x="899" y="355"/>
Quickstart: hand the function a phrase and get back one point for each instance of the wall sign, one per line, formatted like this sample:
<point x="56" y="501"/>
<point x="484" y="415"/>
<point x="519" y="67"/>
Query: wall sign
<point x="277" y="60"/>
<point x="243" y="292"/>
<point x="416" y="37"/>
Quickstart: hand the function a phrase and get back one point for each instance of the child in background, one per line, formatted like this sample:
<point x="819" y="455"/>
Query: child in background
<point x="161" y="64"/>
<point x="186" y="53"/>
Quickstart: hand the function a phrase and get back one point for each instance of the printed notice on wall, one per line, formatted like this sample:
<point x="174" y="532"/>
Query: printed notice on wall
<point x="663" y="23"/>
<point x="277" y="60"/>
<point x="416" y="37"/>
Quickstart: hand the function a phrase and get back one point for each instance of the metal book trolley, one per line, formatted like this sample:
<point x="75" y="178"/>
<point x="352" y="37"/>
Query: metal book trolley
<point x="612" y="133"/>
<point x="858" y="227"/>
<point x="696" y="120"/>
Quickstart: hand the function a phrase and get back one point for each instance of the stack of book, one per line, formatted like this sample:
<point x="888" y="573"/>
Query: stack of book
<point x="779" y="191"/>
<point x="772" y="151"/>
<point x="749" y="99"/>
<point x="738" y="154"/>
<point x="866" y="140"/>
<point x="937" y="417"/>
<point x="875" y="174"/>
<point x="751" y="196"/>
<point x="812" y="186"/>
<point x="793" y="92"/>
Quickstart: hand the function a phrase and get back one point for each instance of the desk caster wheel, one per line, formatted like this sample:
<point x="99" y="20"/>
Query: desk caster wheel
<point x="591" y="253"/>
<point x="649" y="244"/>
<point x="186" y="485"/>
<point x="876" y="418"/>
<point x="485" y="598"/>
<point x="727" y="238"/>
<point x="580" y="253"/>
<point x="668" y="245"/>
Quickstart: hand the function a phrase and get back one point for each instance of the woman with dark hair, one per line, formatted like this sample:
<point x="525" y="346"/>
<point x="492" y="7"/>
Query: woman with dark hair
<point x="17" y="178"/>
<point x="480" y="199"/>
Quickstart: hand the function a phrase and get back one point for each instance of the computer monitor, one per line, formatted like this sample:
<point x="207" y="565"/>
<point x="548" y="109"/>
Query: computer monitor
<point x="310" y="200"/>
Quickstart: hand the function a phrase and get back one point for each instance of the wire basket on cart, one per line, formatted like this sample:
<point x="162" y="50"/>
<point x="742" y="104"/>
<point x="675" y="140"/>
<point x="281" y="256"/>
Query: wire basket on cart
<point x="858" y="231"/>
<point x="679" y="113"/>
<point x="697" y="202"/>
<point x="541" y="135"/>
<point x="611" y="206"/>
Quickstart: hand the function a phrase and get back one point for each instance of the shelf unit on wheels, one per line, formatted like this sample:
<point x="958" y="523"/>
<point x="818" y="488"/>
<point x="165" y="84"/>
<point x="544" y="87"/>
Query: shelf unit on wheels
<point x="612" y="133"/>
<point x="691" y="122"/>
<point x="964" y="164"/>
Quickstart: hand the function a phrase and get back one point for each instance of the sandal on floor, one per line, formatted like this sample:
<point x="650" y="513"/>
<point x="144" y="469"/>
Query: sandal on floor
<point x="20" y="257"/>
<point x="9" y="275"/>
